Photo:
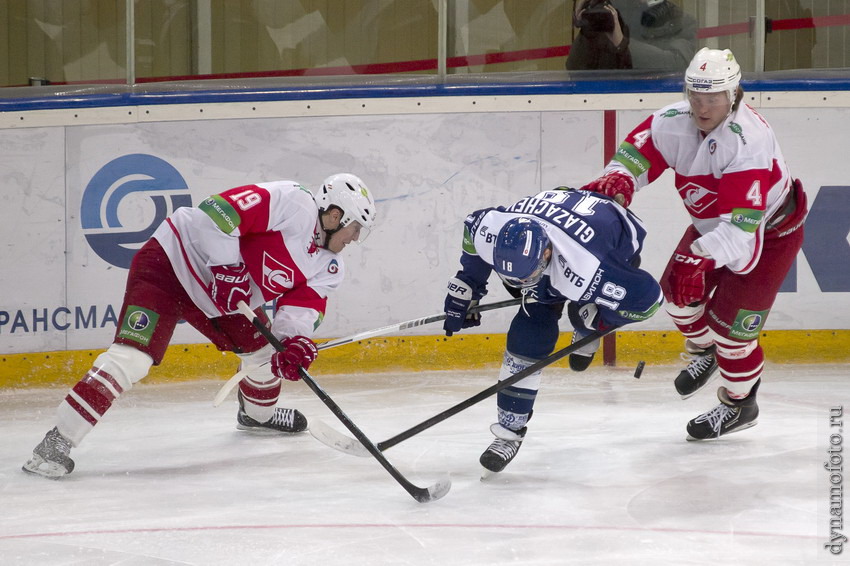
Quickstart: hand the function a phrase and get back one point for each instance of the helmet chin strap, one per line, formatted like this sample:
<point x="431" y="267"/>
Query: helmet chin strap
<point x="321" y="236"/>
<point x="328" y="232"/>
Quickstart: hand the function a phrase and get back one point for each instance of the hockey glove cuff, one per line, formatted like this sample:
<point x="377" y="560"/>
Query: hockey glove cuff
<point x="687" y="278"/>
<point x="230" y="284"/>
<point x="618" y="186"/>
<point x="299" y="351"/>
<point x="584" y="318"/>
<point x="458" y="302"/>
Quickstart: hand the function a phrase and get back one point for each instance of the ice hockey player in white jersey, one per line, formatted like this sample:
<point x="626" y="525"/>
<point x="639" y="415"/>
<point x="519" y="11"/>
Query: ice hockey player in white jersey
<point x="747" y="216"/>
<point x="558" y="247"/>
<point x="255" y="243"/>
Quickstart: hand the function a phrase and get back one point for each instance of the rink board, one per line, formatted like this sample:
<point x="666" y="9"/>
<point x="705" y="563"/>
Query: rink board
<point x="414" y="353"/>
<point x="78" y="199"/>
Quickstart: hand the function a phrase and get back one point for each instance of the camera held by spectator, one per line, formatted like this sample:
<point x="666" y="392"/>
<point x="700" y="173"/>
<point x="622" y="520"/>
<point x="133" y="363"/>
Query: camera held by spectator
<point x="603" y="38"/>
<point x="653" y="35"/>
<point x="596" y="16"/>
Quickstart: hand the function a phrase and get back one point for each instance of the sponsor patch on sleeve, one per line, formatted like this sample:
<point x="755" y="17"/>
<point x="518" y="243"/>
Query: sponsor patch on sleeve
<point x="221" y="212"/>
<point x="468" y="245"/>
<point x="747" y="219"/>
<point x="748" y="324"/>
<point x="138" y="325"/>
<point x="632" y="159"/>
<point x="640" y="316"/>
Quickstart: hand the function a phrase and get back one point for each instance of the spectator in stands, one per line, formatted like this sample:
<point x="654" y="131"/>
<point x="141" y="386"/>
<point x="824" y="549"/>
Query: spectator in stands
<point x="631" y="34"/>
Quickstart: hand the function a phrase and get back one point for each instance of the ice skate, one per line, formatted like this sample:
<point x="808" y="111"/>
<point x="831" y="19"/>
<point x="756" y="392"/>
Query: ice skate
<point x="701" y="370"/>
<point x="581" y="359"/>
<point x="731" y="415"/>
<point x="50" y="458"/>
<point x="283" y="420"/>
<point x="502" y="450"/>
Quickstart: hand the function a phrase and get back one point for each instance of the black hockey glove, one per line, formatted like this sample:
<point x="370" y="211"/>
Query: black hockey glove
<point x="458" y="302"/>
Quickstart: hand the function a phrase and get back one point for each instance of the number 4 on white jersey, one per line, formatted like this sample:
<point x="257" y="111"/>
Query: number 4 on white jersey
<point x="754" y="194"/>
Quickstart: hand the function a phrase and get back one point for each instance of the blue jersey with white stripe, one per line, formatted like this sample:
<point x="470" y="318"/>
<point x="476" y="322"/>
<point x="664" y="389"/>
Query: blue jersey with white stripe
<point x="596" y="247"/>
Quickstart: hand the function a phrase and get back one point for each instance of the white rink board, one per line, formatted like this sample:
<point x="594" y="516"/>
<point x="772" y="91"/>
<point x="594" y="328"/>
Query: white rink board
<point x="427" y="172"/>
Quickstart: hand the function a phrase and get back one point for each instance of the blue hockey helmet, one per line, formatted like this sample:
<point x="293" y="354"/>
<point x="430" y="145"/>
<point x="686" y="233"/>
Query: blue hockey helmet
<point x="519" y="256"/>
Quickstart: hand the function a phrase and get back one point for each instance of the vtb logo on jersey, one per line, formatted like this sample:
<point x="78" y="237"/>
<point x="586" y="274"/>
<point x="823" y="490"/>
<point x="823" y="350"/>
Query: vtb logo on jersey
<point x="698" y="199"/>
<point x="277" y="277"/>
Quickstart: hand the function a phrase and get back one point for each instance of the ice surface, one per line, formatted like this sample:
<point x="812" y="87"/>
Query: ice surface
<point x="604" y="476"/>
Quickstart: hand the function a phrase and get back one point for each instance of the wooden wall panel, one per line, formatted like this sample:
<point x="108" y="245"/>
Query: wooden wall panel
<point x="838" y="37"/>
<point x="273" y="19"/>
<point x="111" y="20"/>
<point x="216" y="36"/>
<point x="335" y="19"/>
<point x="19" y="28"/>
<point x="819" y="53"/>
<point x="789" y="49"/>
<point x="143" y="47"/>
<point x="5" y="51"/>
<point x="493" y="26"/>
<point x="352" y="51"/>
<point x="248" y="30"/>
<point x="92" y="42"/>
<point x="322" y="46"/>
<point x="36" y="51"/>
<point x="71" y="40"/>
<point x="230" y="36"/>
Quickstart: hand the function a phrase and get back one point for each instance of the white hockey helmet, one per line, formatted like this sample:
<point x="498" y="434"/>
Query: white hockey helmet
<point x="350" y="194"/>
<point x="713" y="70"/>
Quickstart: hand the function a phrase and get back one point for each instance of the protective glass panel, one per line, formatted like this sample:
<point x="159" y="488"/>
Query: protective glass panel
<point x="486" y="36"/>
<point x="807" y="34"/>
<point x="269" y="38"/>
<point x="84" y="41"/>
<point x="58" y="43"/>
<point x="728" y="24"/>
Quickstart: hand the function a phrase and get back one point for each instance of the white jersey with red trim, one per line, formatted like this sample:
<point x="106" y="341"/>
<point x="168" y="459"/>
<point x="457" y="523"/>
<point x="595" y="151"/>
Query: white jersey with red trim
<point x="273" y="229"/>
<point x="731" y="180"/>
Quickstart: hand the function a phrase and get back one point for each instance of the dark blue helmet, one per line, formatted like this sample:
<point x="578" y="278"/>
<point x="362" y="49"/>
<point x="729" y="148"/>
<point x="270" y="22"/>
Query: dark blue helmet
<point x="518" y="257"/>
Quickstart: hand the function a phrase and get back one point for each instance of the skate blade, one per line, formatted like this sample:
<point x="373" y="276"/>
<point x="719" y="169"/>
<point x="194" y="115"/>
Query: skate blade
<point x="690" y="438"/>
<point x="264" y="431"/>
<point x="49" y="470"/>
<point x="714" y="376"/>
<point x="487" y="474"/>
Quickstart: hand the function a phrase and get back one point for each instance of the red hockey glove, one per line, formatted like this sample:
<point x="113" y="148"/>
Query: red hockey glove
<point x="230" y="284"/>
<point x="687" y="278"/>
<point x="299" y="351"/>
<point x="618" y="186"/>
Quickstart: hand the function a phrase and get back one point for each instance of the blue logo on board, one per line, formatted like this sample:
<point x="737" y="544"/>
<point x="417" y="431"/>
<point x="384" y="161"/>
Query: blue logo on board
<point x="120" y="178"/>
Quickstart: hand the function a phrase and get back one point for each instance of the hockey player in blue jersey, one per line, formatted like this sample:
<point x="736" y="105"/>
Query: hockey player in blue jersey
<point x="559" y="247"/>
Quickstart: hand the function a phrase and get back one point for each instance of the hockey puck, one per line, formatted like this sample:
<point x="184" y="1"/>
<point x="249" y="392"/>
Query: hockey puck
<point x="639" y="369"/>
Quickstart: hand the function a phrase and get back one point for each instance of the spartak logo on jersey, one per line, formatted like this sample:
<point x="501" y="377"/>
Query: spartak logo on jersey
<point x="277" y="277"/>
<point x="697" y="198"/>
